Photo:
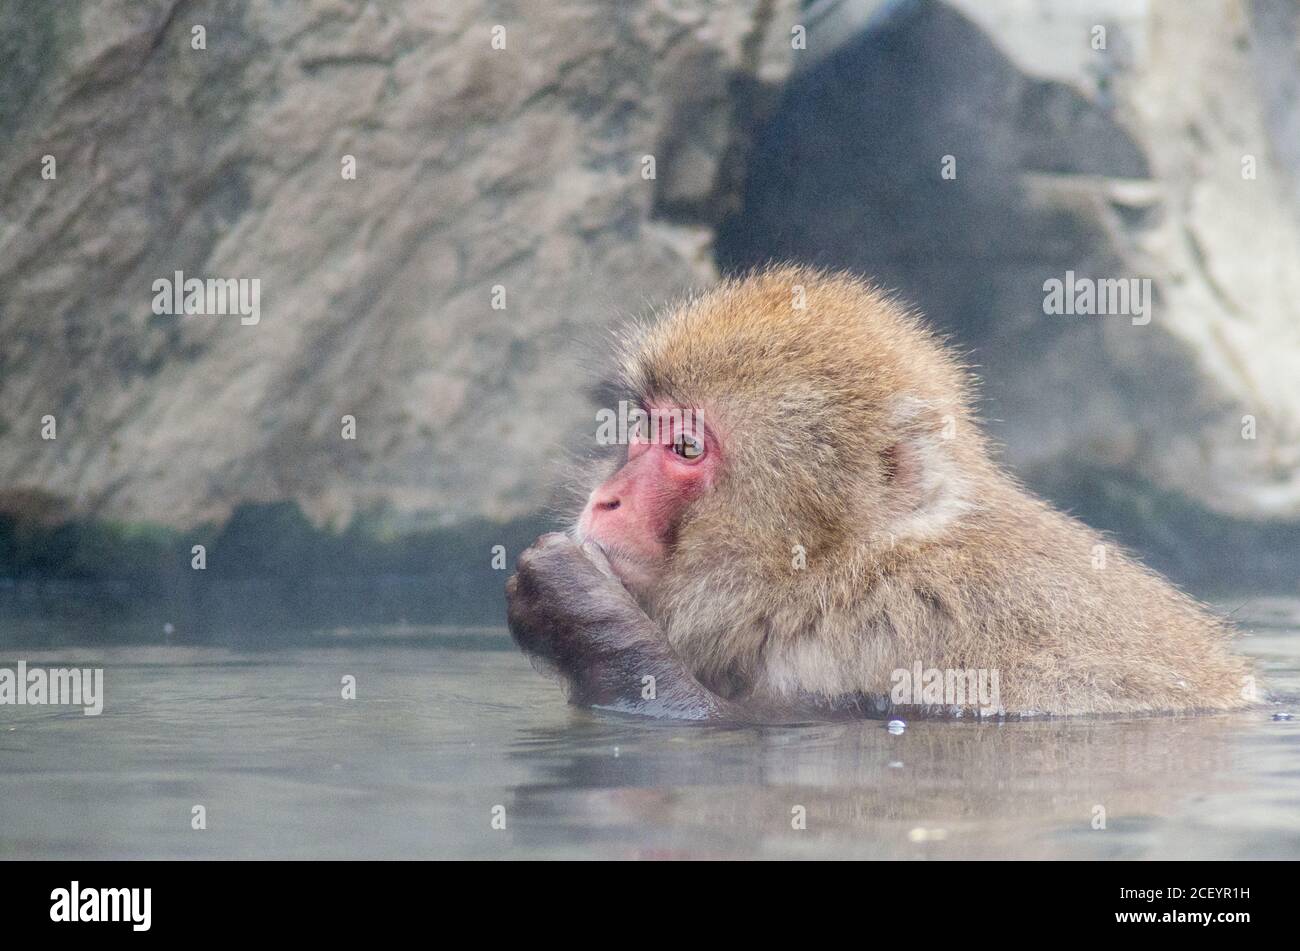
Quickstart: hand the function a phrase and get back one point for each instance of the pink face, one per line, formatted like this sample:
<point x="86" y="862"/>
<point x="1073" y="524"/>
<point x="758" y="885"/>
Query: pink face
<point x="634" y="514"/>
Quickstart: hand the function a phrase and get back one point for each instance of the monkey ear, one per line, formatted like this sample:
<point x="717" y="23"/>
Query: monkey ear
<point x="924" y="478"/>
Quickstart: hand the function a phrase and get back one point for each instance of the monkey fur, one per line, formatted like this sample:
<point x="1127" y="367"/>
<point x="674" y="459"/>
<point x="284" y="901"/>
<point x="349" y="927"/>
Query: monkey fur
<point x="856" y="526"/>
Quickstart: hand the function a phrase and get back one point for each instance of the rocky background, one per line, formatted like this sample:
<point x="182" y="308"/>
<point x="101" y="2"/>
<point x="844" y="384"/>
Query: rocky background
<point x="814" y="132"/>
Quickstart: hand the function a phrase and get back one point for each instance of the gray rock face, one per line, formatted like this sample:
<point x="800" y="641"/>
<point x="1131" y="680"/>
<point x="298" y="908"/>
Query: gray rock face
<point x="1168" y="155"/>
<point x="483" y="172"/>
<point x="483" y="175"/>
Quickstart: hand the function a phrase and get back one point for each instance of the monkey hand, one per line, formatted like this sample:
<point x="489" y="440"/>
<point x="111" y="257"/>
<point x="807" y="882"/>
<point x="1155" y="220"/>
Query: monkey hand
<point x="568" y="609"/>
<point x="572" y="616"/>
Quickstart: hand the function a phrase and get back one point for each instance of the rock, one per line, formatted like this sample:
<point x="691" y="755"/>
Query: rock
<point x="1125" y="162"/>
<point x="475" y="168"/>
<point x="518" y="171"/>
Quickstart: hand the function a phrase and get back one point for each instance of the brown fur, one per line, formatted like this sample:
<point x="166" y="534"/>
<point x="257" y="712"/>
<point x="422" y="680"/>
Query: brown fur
<point x="846" y="429"/>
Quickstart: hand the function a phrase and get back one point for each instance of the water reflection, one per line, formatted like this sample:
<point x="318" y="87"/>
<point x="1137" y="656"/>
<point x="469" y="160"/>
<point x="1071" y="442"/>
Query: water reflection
<point x="938" y="789"/>
<point x="449" y="724"/>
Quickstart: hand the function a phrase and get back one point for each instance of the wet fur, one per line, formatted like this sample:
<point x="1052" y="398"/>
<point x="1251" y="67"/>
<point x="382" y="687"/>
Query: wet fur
<point x="849" y="432"/>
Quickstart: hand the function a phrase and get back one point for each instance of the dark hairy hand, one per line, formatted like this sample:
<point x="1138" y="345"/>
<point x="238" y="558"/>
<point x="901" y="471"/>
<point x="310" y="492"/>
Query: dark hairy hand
<point x="566" y="606"/>
<point x="572" y="616"/>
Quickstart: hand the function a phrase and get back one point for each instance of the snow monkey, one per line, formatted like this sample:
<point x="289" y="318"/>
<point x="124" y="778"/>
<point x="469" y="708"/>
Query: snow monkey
<point x="812" y="526"/>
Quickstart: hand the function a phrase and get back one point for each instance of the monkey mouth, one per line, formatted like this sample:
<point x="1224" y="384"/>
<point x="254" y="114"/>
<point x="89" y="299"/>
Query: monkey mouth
<point x="633" y="569"/>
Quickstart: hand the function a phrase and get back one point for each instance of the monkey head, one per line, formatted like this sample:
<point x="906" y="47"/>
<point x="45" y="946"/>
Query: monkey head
<point x="800" y="428"/>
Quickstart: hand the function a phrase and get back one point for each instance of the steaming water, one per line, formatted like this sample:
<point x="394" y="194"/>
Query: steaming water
<point x="448" y="724"/>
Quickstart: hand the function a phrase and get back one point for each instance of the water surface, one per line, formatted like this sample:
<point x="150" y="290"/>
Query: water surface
<point x="448" y="724"/>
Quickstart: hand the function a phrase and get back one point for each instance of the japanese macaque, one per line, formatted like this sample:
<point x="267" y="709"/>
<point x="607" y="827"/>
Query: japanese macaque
<point x="812" y="526"/>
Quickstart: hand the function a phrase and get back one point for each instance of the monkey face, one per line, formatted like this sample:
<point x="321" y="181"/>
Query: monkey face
<point x="672" y="459"/>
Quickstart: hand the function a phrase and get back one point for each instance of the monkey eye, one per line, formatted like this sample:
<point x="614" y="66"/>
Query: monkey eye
<point x="688" y="447"/>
